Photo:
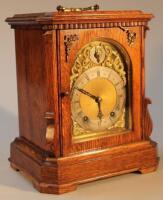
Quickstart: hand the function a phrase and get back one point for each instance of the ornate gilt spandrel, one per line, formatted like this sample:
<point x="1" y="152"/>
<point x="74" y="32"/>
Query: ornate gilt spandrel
<point x="131" y="35"/>
<point x="68" y="42"/>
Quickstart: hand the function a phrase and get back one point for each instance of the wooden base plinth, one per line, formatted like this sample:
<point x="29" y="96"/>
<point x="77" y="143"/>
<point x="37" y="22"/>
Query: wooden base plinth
<point x="57" y="176"/>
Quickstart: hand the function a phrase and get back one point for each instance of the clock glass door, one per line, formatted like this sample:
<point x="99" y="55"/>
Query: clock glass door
<point x="101" y="103"/>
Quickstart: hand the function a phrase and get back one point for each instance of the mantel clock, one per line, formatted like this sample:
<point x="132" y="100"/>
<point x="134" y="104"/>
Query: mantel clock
<point x="81" y="97"/>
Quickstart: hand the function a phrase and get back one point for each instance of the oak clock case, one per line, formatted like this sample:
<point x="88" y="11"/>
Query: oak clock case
<point x="81" y="97"/>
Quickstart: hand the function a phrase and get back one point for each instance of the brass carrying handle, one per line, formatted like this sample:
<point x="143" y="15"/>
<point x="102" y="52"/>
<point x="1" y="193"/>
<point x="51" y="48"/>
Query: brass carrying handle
<point x="90" y="8"/>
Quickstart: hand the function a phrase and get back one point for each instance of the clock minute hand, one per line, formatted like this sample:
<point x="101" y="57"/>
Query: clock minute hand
<point x="87" y="93"/>
<point x="100" y="115"/>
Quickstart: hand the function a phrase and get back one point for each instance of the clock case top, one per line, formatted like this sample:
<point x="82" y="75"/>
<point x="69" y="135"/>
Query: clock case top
<point x="84" y="19"/>
<point x="41" y="42"/>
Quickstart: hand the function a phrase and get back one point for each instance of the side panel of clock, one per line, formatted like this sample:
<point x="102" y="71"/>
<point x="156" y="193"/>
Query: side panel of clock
<point x="37" y="83"/>
<point x="71" y="42"/>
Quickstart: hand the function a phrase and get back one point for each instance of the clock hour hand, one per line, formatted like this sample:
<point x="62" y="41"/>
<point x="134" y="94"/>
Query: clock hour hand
<point x="87" y="93"/>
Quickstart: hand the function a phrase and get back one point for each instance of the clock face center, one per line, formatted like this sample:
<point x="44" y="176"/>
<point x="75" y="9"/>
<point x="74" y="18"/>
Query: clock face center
<point x="105" y="92"/>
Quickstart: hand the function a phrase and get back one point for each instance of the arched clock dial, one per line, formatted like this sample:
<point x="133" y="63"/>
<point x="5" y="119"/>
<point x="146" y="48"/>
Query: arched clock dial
<point x="98" y="99"/>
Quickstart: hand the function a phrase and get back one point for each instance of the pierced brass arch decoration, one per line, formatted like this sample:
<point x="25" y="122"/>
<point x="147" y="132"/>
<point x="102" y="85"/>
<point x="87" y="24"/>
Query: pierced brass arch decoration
<point x="89" y="55"/>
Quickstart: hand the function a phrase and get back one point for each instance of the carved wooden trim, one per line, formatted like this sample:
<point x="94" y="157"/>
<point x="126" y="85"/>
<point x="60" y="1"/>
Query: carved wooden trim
<point x="79" y="25"/>
<point x="148" y="125"/>
<point x="94" y="25"/>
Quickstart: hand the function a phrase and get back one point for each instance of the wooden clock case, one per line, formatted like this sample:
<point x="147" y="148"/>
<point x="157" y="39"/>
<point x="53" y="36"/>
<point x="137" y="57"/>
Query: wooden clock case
<point x="46" y="45"/>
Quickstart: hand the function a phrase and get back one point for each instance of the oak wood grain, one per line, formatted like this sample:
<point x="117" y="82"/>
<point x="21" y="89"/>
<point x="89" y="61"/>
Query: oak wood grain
<point x="36" y="83"/>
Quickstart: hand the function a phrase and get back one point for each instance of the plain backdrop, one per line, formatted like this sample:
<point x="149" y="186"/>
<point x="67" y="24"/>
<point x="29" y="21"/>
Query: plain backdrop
<point x="130" y="186"/>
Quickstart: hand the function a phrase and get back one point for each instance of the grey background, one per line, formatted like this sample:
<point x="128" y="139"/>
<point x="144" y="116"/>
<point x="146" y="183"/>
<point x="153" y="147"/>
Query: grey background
<point x="131" y="186"/>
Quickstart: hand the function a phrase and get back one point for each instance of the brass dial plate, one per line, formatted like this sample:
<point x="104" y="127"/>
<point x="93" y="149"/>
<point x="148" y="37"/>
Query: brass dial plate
<point x="99" y="54"/>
